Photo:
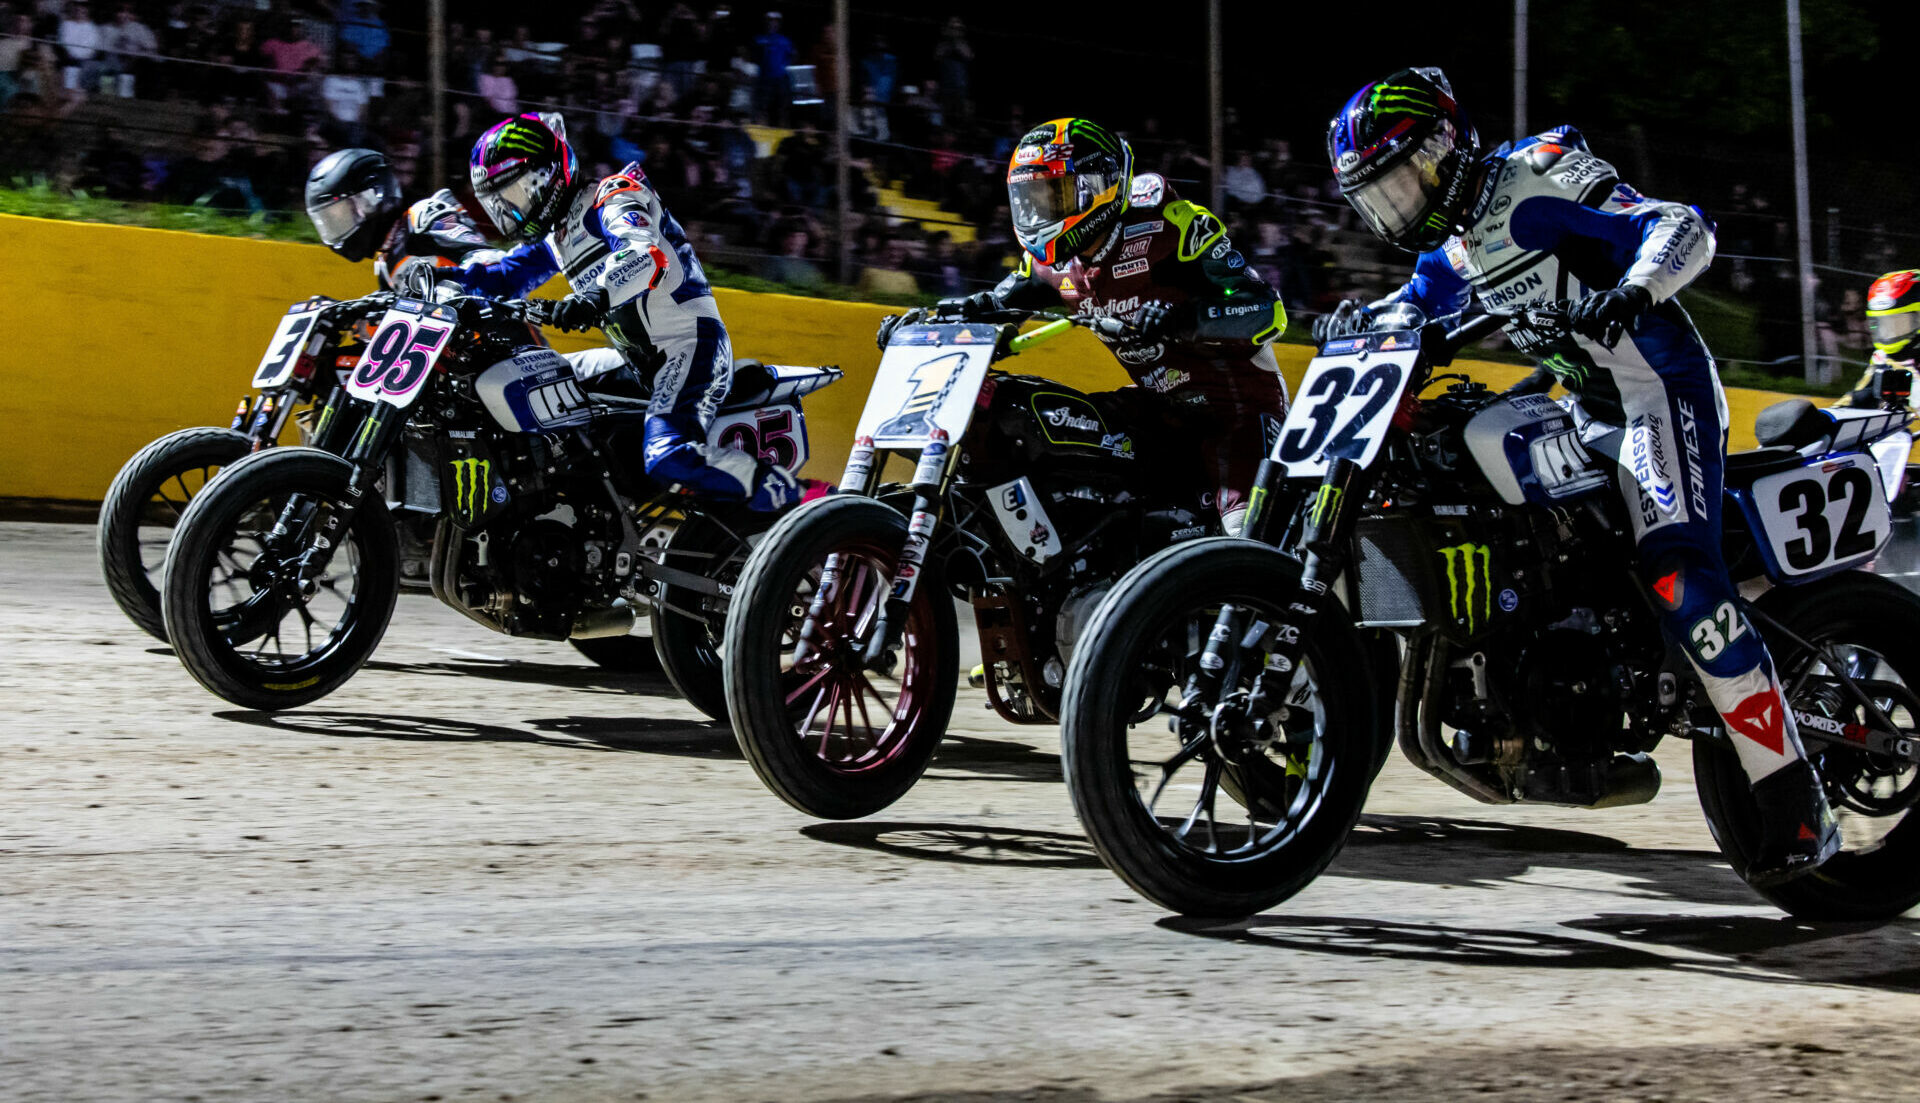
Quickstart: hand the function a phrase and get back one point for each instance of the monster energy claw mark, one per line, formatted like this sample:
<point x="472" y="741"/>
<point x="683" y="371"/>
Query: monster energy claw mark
<point x="1463" y="585"/>
<point x="471" y="478"/>
<point x="1326" y="502"/>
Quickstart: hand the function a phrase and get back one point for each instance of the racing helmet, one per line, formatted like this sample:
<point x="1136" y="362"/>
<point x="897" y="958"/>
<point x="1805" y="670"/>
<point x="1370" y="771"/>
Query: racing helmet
<point x="525" y="173"/>
<point x="353" y="197"/>
<point x="1067" y="187"/>
<point x="1893" y="313"/>
<point x="1404" y="154"/>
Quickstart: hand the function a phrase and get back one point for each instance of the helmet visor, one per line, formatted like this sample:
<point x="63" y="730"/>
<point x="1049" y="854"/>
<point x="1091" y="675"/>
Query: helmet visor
<point x="336" y="219"/>
<point x="513" y="202"/>
<point x="1042" y="205"/>
<point x="1399" y="200"/>
<point x="1893" y="329"/>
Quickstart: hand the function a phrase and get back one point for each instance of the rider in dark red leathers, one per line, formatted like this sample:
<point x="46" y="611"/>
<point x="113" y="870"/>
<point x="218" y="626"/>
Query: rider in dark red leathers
<point x="1104" y="241"/>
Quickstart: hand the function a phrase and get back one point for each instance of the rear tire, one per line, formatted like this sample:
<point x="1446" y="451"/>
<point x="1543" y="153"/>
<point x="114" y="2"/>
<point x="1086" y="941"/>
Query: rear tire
<point x="152" y="492"/>
<point x="767" y="691"/>
<point x="1142" y="622"/>
<point x="687" y="647"/>
<point x="222" y="546"/>
<point x="1859" y="611"/>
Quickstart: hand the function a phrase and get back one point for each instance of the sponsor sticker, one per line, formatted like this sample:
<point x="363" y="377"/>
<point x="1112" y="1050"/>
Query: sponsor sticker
<point x="1129" y="267"/>
<point x="1142" y="229"/>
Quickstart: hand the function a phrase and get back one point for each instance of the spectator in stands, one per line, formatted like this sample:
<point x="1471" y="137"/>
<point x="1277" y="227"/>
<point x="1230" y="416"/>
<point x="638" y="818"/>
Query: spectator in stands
<point x="880" y="69"/>
<point x="132" y="44"/>
<point x="681" y="32"/>
<point x="289" y="51"/>
<point x="954" y="54"/>
<point x="362" y="30"/>
<point x="83" y="46"/>
<point x="790" y="265"/>
<point x="773" y="90"/>
<point x="499" y="90"/>
<point x="240" y="49"/>
<point x="348" y="97"/>
<point x="1244" y="185"/>
<point x="801" y="166"/>
<point x="15" y="46"/>
<point x="884" y="274"/>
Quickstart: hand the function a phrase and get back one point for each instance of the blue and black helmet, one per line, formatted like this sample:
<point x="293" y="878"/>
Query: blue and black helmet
<point x="1403" y="153"/>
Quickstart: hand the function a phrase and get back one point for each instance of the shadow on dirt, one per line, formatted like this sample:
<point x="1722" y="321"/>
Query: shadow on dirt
<point x="961" y="843"/>
<point x="689" y="738"/>
<point x="968" y="758"/>
<point x="1441" y="850"/>
<point x="593" y="679"/>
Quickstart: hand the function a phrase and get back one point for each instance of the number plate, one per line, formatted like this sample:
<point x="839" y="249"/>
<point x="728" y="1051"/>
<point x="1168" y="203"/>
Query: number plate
<point x="1344" y="408"/>
<point x="283" y="352"/>
<point x="777" y="434"/>
<point x="928" y="379"/>
<point x="395" y="367"/>
<point x="1823" y="517"/>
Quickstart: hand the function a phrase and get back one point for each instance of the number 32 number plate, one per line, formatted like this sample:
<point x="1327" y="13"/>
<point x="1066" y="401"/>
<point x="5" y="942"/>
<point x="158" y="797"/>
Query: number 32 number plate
<point x="1344" y="408"/>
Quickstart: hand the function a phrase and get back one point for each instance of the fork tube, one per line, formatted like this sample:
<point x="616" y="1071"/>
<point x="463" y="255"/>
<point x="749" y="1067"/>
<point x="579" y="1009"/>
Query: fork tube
<point x="930" y="479"/>
<point x="1262" y="518"/>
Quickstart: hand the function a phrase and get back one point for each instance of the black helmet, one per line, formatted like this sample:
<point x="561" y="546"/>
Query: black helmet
<point x="353" y="197"/>
<point x="1404" y="154"/>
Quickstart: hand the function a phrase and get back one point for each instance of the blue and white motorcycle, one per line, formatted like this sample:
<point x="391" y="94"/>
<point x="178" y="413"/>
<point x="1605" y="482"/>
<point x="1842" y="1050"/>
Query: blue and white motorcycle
<point x="283" y="572"/>
<point x="1233" y="698"/>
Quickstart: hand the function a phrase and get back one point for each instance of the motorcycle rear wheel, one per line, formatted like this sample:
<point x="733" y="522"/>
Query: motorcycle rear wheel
<point x="142" y="511"/>
<point x="688" y="628"/>
<point x="1874" y="625"/>
<point x="224" y="552"/>
<point x="1299" y="804"/>
<point x="775" y="701"/>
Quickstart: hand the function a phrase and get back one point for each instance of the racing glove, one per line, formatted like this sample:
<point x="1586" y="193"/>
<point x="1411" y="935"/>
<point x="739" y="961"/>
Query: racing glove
<point x="1156" y="321"/>
<point x="1351" y="316"/>
<point x="894" y="321"/>
<point x="1604" y="315"/>
<point x="581" y="310"/>
<point x="777" y="488"/>
<point x="967" y="306"/>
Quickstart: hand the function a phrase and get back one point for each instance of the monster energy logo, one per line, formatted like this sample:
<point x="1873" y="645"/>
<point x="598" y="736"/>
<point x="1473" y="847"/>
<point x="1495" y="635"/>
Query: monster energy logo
<point x="1409" y="99"/>
<point x="519" y="137"/>
<point x="1564" y="368"/>
<point x="1326" y="502"/>
<point x="471" y="477"/>
<point x="1465" y="582"/>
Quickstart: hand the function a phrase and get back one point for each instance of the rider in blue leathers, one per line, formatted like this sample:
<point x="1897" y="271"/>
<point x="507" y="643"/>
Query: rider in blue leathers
<point x="633" y="272"/>
<point x="1542" y="220"/>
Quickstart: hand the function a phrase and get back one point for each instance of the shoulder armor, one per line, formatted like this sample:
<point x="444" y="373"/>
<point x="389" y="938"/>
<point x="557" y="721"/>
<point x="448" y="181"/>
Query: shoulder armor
<point x="1149" y="190"/>
<point x="441" y="204"/>
<point x="1561" y="171"/>
<point x="629" y="179"/>
<point x="1196" y="226"/>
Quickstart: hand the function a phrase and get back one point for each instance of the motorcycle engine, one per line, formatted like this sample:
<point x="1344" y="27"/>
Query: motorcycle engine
<point x="1566" y="690"/>
<point x="1076" y="613"/>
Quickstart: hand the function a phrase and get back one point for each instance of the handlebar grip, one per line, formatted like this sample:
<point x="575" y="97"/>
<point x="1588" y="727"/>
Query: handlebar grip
<point x="1108" y="327"/>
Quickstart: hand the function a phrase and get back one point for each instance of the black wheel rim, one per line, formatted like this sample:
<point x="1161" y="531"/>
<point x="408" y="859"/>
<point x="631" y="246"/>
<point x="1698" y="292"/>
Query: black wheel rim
<point x="255" y="609"/>
<point x="160" y="514"/>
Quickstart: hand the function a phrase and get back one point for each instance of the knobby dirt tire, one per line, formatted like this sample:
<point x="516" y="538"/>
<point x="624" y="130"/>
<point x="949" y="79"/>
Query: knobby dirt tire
<point x="1100" y="695"/>
<point x="117" y="539"/>
<point x="754" y="650"/>
<point x="203" y="534"/>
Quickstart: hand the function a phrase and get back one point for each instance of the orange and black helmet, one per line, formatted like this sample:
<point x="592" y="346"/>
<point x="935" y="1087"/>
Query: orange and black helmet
<point x="1893" y="312"/>
<point x="1067" y="187"/>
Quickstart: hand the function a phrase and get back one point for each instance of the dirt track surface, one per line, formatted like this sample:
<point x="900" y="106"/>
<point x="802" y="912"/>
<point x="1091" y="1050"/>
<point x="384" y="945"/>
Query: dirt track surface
<point x="484" y="870"/>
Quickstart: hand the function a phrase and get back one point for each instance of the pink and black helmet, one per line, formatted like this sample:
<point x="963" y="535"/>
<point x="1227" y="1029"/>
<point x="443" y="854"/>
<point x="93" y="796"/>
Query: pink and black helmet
<point x="525" y="173"/>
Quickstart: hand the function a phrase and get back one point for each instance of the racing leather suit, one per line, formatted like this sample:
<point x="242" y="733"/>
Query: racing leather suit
<point x="436" y="230"/>
<point x="619" y="237"/>
<point x="1554" y="222"/>
<point x="1214" y="380"/>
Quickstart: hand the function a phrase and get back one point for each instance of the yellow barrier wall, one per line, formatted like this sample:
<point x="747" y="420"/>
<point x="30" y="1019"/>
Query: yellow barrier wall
<point x="117" y="335"/>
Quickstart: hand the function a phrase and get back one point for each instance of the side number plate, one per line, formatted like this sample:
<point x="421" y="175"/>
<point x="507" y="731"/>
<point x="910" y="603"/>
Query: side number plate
<point x="1824" y="516"/>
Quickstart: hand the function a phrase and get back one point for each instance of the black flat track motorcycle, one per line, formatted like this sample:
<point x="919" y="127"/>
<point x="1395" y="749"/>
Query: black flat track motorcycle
<point x="1221" y="725"/>
<point x="283" y="574"/>
<point x="1028" y="499"/>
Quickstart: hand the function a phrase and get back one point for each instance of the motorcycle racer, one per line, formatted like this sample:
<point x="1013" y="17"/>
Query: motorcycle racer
<point x="1893" y="321"/>
<point x="1104" y="240"/>
<point x="632" y="272"/>
<point x="354" y="200"/>
<point x="1543" y="219"/>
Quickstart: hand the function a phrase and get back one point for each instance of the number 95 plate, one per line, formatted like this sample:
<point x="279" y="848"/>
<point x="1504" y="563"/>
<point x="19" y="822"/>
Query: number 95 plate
<point x="399" y="359"/>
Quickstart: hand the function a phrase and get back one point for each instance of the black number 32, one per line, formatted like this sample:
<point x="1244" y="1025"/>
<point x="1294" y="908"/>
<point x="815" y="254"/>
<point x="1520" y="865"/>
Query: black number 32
<point x="1816" y="542"/>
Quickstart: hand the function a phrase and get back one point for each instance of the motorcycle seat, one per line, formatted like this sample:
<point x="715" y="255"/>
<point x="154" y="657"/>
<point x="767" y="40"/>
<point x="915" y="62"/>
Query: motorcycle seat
<point x="1750" y="465"/>
<point x="1794" y="423"/>
<point x="756" y="384"/>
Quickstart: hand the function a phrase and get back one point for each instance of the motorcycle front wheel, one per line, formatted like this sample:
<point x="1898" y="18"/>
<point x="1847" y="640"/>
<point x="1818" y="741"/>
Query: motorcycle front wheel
<point x="260" y="619"/>
<point x="143" y="507"/>
<point x="1148" y="793"/>
<point x="1868" y="629"/>
<point x="827" y="734"/>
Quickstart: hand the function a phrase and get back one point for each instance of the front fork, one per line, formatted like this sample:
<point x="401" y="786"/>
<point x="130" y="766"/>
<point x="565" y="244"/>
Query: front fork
<point x="1323" y="542"/>
<point x="379" y="428"/>
<point x="930" y="478"/>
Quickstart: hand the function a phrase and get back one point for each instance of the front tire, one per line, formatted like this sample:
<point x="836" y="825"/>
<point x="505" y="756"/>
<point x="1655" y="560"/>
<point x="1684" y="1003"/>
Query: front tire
<point x="1299" y="801"/>
<point x="237" y="617"/>
<point x="776" y="696"/>
<point x="143" y="508"/>
<point x="1874" y="626"/>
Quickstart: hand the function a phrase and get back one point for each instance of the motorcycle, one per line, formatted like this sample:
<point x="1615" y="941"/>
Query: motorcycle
<point x="282" y="577"/>
<point x="1027" y="498"/>
<point x="1479" y="529"/>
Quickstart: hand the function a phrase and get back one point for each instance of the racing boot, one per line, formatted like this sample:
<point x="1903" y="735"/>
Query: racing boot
<point x="1797" y="828"/>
